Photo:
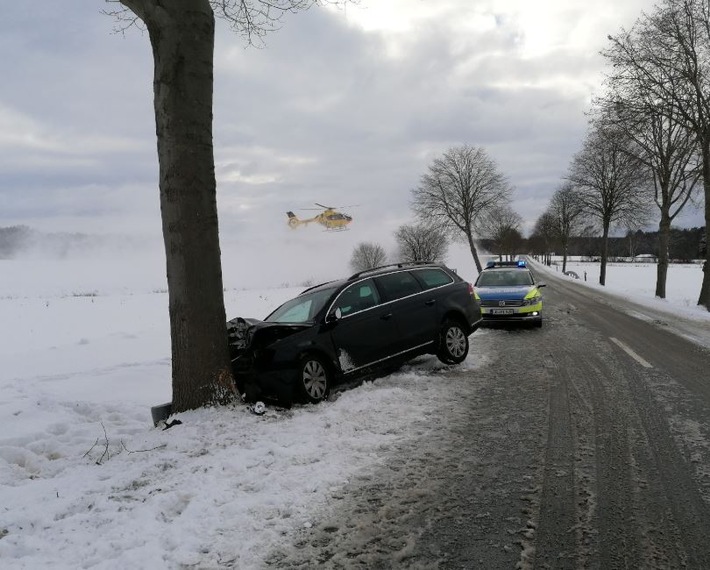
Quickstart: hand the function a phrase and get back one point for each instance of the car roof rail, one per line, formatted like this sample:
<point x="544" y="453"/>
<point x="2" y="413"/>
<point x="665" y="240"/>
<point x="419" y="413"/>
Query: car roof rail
<point x="316" y="286"/>
<point x="399" y="265"/>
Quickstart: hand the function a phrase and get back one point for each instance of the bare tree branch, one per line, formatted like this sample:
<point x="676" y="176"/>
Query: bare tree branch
<point x="367" y="255"/>
<point x="421" y="242"/>
<point x="502" y="225"/>
<point x="129" y="451"/>
<point x="567" y="212"/>
<point x="251" y="19"/>
<point x="611" y="183"/>
<point x="459" y="188"/>
<point x="667" y="52"/>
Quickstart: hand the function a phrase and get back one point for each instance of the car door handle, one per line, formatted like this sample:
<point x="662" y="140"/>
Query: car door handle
<point x="430" y="302"/>
<point x="386" y="316"/>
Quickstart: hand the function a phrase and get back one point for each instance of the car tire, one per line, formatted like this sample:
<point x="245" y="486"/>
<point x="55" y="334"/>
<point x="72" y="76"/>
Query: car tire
<point x="314" y="379"/>
<point x="538" y="324"/>
<point x="453" y="343"/>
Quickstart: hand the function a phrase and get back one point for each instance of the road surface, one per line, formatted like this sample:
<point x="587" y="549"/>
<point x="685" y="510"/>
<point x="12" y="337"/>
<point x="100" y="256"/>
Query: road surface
<point x="584" y="444"/>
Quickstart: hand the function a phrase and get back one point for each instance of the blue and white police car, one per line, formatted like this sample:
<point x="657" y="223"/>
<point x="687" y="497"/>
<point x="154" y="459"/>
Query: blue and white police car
<point x="507" y="292"/>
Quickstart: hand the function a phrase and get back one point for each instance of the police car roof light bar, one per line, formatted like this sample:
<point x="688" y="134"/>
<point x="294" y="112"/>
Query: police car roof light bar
<point x="519" y="263"/>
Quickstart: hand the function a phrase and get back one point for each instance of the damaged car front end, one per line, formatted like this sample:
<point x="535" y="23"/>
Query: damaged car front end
<point x="265" y="357"/>
<point x="274" y="359"/>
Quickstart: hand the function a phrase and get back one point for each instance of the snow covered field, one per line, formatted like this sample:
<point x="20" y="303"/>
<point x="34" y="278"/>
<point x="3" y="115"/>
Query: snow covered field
<point x="87" y="482"/>
<point x="637" y="281"/>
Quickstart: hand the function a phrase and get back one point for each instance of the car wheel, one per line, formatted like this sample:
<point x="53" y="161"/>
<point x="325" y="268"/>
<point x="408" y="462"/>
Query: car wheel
<point x="538" y="324"/>
<point x="314" y="379"/>
<point x="453" y="344"/>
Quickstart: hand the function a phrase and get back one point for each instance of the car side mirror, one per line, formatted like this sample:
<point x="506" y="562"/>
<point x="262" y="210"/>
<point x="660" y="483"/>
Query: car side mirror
<point x="539" y="285"/>
<point x="335" y="316"/>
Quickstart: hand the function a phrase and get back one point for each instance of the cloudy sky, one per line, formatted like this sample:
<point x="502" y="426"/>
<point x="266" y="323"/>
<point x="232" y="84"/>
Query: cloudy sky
<point x="340" y="107"/>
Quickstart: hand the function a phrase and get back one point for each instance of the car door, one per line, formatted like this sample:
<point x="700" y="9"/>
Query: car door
<point x="413" y="309"/>
<point x="366" y="330"/>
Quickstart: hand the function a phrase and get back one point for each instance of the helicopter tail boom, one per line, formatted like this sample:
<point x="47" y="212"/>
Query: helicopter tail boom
<point x="294" y="221"/>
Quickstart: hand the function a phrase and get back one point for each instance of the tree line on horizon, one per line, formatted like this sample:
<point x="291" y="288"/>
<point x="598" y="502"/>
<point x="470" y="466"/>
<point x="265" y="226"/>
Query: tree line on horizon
<point x="685" y="245"/>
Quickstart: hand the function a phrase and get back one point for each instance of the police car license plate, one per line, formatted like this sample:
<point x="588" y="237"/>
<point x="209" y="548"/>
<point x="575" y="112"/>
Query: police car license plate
<point x="502" y="311"/>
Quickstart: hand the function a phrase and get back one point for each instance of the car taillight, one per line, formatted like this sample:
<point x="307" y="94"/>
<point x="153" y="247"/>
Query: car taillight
<point x="470" y="289"/>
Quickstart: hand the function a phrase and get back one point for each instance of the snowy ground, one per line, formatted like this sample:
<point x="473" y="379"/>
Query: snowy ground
<point x="87" y="482"/>
<point x="639" y="279"/>
<point x="637" y="282"/>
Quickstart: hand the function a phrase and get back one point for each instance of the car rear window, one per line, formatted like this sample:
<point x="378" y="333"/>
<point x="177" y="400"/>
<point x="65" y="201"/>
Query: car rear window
<point x="432" y="277"/>
<point x="397" y="285"/>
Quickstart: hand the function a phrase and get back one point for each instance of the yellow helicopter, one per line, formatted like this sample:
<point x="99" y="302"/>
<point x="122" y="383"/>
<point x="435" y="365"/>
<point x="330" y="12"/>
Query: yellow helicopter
<point x="329" y="217"/>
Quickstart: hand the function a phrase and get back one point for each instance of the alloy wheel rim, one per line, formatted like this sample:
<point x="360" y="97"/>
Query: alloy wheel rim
<point x="314" y="379"/>
<point x="455" y="342"/>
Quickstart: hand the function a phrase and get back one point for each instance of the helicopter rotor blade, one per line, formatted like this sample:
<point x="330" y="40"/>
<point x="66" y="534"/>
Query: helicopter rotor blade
<point x="336" y="207"/>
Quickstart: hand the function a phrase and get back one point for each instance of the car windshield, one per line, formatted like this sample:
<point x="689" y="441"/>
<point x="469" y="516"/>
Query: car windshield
<point x="513" y="278"/>
<point x="302" y="309"/>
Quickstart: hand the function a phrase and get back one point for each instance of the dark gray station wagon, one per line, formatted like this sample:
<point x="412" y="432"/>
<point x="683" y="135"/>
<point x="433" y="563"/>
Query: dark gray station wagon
<point x="340" y="329"/>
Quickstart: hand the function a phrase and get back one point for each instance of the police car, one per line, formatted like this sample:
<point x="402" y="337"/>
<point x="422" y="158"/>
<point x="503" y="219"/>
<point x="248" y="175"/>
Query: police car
<point x="508" y="292"/>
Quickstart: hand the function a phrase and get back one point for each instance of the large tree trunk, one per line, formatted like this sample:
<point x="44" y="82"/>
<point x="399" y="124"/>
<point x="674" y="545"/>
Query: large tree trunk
<point x="182" y="38"/>
<point x="605" y="253"/>
<point x="664" y="232"/>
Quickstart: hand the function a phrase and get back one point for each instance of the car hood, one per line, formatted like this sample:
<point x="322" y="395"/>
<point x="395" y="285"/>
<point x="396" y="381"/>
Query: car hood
<point x="504" y="293"/>
<point x="245" y="333"/>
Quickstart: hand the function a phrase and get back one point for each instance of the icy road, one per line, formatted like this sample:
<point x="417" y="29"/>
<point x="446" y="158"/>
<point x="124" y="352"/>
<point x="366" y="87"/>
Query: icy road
<point x="585" y="444"/>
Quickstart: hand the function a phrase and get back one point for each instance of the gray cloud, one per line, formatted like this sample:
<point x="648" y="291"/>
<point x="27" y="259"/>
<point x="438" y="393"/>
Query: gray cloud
<point x="327" y="111"/>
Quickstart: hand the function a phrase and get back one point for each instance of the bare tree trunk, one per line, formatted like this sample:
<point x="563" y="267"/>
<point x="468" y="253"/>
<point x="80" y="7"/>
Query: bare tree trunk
<point x="704" y="298"/>
<point x="664" y="231"/>
<point x="565" y="247"/>
<point x="605" y="253"/>
<point x="182" y="38"/>
<point x="474" y="251"/>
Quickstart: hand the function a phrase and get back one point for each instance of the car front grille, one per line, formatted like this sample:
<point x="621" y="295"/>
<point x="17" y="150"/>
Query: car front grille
<point x="506" y="303"/>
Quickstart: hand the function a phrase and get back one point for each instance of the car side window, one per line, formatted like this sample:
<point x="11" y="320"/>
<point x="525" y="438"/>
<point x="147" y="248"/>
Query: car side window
<point x="397" y="285"/>
<point x="357" y="297"/>
<point x="433" y="277"/>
